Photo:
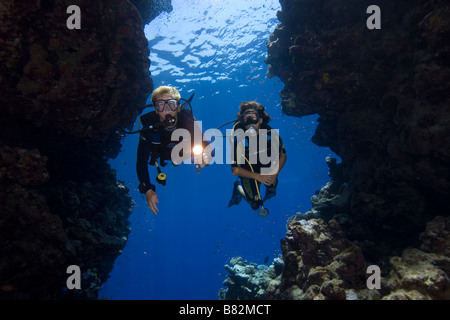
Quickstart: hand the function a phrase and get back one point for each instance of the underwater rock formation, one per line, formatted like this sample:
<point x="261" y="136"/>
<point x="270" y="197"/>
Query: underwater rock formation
<point x="249" y="281"/>
<point x="423" y="273"/>
<point x="383" y="100"/>
<point x="150" y="9"/>
<point x="65" y="96"/>
<point x="319" y="263"/>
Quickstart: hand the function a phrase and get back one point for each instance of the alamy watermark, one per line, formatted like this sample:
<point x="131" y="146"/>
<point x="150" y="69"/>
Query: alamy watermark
<point x="263" y="147"/>
<point x="374" y="21"/>
<point x="74" y="280"/>
<point x="374" y="280"/>
<point x="74" y="21"/>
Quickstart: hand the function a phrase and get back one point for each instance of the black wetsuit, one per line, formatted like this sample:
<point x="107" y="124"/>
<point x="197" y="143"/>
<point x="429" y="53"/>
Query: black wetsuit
<point x="156" y="143"/>
<point x="249" y="185"/>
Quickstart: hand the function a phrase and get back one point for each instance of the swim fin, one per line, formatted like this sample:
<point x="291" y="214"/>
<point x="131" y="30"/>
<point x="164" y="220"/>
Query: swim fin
<point x="269" y="194"/>
<point x="271" y="190"/>
<point x="236" y="197"/>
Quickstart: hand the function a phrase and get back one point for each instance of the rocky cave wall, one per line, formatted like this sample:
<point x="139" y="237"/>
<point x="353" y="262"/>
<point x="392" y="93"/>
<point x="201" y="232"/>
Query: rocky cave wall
<point x="383" y="100"/>
<point x="65" y="95"/>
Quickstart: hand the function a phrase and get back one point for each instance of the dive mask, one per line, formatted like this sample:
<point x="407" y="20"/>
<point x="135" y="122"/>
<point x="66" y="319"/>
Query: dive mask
<point x="162" y="105"/>
<point x="249" y="117"/>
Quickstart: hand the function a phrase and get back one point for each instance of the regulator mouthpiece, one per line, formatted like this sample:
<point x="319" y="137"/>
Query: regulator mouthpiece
<point x="251" y="131"/>
<point x="170" y="121"/>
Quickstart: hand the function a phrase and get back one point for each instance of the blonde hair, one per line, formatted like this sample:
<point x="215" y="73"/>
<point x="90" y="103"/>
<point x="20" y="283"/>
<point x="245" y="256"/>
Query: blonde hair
<point x="171" y="91"/>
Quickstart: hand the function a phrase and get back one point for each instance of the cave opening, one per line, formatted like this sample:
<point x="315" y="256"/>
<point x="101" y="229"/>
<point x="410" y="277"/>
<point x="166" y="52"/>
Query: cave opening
<point x="216" y="50"/>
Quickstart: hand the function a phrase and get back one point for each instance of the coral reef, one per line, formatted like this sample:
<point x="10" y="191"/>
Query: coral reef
<point x="249" y="281"/>
<point x="86" y="82"/>
<point x="421" y="272"/>
<point x="383" y="100"/>
<point x="319" y="263"/>
<point x="65" y="96"/>
<point x="424" y="273"/>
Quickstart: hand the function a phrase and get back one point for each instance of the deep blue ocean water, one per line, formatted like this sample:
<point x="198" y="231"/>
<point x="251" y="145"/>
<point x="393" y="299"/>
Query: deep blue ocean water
<point x="217" y="50"/>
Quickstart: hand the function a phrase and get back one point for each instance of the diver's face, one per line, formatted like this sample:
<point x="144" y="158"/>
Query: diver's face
<point x="166" y="107"/>
<point x="254" y="120"/>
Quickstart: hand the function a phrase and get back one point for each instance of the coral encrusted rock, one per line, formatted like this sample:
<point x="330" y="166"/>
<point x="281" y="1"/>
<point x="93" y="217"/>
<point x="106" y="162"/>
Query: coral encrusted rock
<point x="250" y="281"/>
<point x="383" y="100"/>
<point x="319" y="263"/>
<point x="423" y="273"/>
<point x="65" y="95"/>
<point x="83" y="82"/>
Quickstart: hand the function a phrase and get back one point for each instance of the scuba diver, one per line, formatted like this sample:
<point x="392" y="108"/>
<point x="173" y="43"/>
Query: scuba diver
<point x="251" y="119"/>
<point x="155" y="139"/>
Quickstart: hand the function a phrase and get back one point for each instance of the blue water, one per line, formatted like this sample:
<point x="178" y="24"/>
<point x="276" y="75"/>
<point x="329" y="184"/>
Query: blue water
<point x="216" y="49"/>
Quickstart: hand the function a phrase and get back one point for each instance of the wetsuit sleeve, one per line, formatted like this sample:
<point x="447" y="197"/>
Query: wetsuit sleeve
<point x="143" y="154"/>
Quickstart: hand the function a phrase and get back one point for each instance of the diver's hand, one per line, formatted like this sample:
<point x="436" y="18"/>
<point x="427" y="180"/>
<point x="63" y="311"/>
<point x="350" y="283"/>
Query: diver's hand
<point x="152" y="200"/>
<point x="266" y="179"/>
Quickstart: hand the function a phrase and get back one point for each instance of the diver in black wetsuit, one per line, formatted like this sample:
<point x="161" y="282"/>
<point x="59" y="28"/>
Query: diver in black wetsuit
<point x="155" y="140"/>
<point x="253" y="118"/>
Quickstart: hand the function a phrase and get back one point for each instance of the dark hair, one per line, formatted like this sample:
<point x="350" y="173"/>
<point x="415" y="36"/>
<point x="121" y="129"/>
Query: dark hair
<point x="253" y="105"/>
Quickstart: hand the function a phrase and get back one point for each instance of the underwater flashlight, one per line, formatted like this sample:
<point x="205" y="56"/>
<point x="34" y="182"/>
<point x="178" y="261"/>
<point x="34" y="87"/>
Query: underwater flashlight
<point x="198" y="152"/>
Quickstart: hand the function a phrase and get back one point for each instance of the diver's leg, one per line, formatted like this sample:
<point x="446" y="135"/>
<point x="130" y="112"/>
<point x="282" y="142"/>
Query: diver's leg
<point x="241" y="191"/>
<point x="251" y="193"/>
<point x="236" y="197"/>
<point x="271" y="190"/>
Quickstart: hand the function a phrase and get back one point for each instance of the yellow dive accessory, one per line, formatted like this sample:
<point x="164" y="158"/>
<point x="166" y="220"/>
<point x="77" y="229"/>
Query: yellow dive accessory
<point x="162" y="177"/>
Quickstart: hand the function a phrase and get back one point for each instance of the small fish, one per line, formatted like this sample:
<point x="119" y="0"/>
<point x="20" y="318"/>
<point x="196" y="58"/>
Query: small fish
<point x="266" y="259"/>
